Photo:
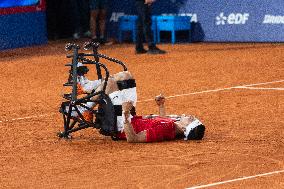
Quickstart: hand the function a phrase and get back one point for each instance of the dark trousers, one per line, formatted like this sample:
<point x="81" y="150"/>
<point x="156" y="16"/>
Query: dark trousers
<point x="80" y="15"/>
<point x="53" y="13"/>
<point x="144" y="25"/>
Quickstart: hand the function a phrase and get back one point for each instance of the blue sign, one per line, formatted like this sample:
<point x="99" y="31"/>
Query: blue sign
<point x="217" y="21"/>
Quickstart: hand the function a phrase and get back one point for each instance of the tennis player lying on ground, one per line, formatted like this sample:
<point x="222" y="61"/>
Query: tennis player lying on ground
<point x="148" y="128"/>
<point x="162" y="127"/>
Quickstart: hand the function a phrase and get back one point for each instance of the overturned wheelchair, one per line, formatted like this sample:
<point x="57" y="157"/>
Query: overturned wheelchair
<point x="91" y="104"/>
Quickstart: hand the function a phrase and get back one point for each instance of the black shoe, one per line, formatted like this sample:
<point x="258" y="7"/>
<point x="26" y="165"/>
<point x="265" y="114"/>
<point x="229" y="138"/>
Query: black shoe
<point x="141" y="51"/>
<point x="155" y="50"/>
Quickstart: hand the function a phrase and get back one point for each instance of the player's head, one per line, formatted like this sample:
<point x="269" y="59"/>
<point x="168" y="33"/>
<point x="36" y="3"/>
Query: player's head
<point x="192" y="127"/>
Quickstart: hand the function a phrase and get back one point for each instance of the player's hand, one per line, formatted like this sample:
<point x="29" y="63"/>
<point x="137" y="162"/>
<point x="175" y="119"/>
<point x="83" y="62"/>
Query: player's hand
<point x="160" y="100"/>
<point x="127" y="106"/>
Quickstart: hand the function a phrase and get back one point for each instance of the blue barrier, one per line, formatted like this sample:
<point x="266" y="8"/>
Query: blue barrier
<point x="23" y="25"/>
<point x="24" y="29"/>
<point x="217" y="21"/>
<point x="17" y="3"/>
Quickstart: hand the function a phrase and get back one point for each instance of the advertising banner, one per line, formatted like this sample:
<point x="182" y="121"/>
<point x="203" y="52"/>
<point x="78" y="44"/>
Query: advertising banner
<point x="217" y="21"/>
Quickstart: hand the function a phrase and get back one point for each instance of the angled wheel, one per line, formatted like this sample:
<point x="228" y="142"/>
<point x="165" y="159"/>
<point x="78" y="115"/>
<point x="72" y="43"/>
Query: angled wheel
<point x="105" y="117"/>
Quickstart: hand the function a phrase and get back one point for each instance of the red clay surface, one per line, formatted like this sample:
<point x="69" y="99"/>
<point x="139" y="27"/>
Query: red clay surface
<point x="245" y="126"/>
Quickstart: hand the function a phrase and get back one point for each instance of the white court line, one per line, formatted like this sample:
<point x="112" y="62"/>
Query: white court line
<point x="188" y="94"/>
<point x="257" y="84"/>
<point x="261" y="88"/>
<point x="173" y="96"/>
<point x="234" y="180"/>
<point x="28" y="117"/>
<point x="217" y="90"/>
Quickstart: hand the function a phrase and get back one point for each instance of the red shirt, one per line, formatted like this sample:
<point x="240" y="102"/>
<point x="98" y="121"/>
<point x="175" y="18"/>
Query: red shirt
<point x="157" y="129"/>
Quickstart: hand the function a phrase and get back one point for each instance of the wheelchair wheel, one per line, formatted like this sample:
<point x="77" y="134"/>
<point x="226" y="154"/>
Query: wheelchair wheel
<point x="105" y="117"/>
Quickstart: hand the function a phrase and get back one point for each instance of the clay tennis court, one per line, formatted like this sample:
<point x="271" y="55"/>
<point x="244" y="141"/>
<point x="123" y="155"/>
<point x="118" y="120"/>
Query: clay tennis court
<point x="237" y="90"/>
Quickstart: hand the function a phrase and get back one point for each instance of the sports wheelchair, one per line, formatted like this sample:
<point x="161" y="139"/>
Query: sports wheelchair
<point x="104" y="112"/>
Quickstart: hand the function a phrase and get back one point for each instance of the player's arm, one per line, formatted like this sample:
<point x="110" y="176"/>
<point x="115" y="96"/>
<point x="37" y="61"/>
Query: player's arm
<point x="160" y="101"/>
<point x="131" y="135"/>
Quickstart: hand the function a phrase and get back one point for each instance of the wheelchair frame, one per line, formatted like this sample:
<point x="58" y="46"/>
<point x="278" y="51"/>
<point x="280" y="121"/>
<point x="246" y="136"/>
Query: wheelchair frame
<point x="105" y="114"/>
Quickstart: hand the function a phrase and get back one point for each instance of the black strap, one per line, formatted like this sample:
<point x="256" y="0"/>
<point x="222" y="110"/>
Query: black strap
<point x="118" y="110"/>
<point x="126" y="84"/>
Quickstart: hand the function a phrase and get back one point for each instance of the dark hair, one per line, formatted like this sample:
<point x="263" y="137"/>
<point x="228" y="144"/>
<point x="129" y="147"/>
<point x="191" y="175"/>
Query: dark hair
<point x="81" y="70"/>
<point x="197" y="133"/>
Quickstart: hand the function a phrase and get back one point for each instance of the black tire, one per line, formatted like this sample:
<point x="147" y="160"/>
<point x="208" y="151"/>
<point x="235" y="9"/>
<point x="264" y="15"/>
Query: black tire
<point x="105" y="117"/>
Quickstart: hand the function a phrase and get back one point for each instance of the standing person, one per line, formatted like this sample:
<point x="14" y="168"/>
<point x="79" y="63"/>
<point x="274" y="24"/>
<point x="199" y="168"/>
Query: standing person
<point x="98" y="18"/>
<point x="144" y="25"/>
<point x="80" y="14"/>
<point x="53" y="11"/>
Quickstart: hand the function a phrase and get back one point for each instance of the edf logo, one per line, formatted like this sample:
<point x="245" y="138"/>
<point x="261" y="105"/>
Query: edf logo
<point x="233" y="18"/>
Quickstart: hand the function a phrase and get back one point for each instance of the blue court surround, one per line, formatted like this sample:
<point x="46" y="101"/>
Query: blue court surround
<point x="23" y="29"/>
<point x="17" y="3"/>
<point x="22" y="26"/>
